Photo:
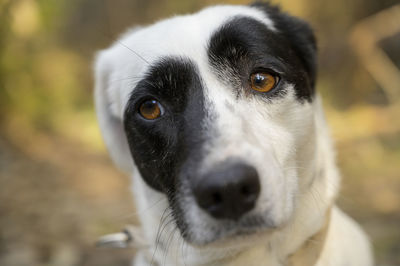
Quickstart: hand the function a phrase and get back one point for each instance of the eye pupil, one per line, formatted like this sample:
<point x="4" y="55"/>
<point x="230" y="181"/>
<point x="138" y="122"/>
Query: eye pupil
<point x="150" y="109"/>
<point x="259" y="79"/>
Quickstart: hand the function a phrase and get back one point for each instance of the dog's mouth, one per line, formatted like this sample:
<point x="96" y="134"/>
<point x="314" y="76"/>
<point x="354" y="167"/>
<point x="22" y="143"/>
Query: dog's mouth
<point x="221" y="232"/>
<point x="235" y="238"/>
<point x="242" y="232"/>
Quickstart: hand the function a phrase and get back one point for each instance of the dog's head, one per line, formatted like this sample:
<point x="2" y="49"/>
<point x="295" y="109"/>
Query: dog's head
<point x="215" y="110"/>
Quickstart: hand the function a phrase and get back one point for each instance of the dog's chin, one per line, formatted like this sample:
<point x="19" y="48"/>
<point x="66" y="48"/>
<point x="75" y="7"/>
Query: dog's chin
<point x="234" y="233"/>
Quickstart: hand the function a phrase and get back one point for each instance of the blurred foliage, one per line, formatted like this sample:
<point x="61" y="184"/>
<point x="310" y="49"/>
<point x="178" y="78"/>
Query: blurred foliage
<point x="51" y="150"/>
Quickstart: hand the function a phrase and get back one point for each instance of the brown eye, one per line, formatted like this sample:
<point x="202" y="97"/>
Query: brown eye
<point x="150" y="109"/>
<point x="263" y="82"/>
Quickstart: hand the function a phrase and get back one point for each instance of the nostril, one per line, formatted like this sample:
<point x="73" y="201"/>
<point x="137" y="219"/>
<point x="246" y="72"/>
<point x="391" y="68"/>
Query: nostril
<point x="245" y="191"/>
<point x="249" y="192"/>
<point x="216" y="197"/>
<point x="208" y="198"/>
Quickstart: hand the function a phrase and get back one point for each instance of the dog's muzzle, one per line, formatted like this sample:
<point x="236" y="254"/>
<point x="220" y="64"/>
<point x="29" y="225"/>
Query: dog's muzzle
<point x="228" y="191"/>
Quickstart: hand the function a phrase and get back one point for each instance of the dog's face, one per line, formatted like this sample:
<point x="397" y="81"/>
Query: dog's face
<point x="216" y="111"/>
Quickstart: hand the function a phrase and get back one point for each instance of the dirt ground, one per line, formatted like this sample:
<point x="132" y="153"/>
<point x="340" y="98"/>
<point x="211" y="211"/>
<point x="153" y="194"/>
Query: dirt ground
<point x="55" y="200"/>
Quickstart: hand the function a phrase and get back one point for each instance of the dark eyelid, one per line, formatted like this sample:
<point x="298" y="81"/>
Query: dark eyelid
<point x="269" y="70"/>
<point x="269" y="63"/>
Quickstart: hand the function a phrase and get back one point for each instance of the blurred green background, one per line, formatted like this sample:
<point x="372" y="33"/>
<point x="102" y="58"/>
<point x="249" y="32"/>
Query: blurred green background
<point x="58" y="188"/>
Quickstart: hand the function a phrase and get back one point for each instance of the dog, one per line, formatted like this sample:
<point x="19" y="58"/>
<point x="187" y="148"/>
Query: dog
<point x="216" y="117"/>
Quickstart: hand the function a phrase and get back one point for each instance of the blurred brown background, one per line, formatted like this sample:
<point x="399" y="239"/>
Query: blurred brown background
<point x="58" y="188"/>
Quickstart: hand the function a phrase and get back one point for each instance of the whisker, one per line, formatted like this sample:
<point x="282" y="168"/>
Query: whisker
<point x="108" y="35"/>
<point x="122" y="79"/>
<point x="134" y="214"/>
<point x="170" y="241"/>
<point x="158" y="233"/>
<point x="161" y="233"/>
<point x="183" y="251"/>
<point x="133" y="51"/>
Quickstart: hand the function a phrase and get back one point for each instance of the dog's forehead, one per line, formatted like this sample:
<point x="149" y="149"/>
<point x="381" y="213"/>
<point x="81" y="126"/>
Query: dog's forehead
<point x="185" y="36"/>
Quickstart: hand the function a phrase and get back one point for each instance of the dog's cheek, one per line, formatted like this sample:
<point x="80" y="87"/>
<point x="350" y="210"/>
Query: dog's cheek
<point x="299" y="162"/>
<point x="289" y="131"/>
<point x="302" y="125"/>
<point x="282" y="182"/>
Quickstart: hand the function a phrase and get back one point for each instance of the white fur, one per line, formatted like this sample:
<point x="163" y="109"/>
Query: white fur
<point x="286" y="141"/>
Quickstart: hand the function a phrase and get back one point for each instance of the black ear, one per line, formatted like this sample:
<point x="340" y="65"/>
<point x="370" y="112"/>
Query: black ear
<point x="298" y="33"/>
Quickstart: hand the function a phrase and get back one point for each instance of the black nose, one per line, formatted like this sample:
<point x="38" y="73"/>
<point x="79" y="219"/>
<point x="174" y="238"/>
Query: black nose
<point x="229" y="191"/>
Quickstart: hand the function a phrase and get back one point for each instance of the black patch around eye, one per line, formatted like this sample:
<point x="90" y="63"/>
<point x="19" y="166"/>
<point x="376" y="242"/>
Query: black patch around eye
<point x="299" y="34"/>
<point x="244" y="45"/>
<point x="160" y="147"/>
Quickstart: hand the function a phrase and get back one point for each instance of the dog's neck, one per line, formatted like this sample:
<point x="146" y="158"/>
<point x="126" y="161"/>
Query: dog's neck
<point x="283" y="246"/>
<point x="311" y="250"/>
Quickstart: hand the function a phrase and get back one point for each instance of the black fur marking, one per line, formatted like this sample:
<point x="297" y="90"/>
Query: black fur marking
<point x="162" y="146"/>
<point x="244" y="46"/>
<point x="167" y="149"/>
<point x="300" y="35"/>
